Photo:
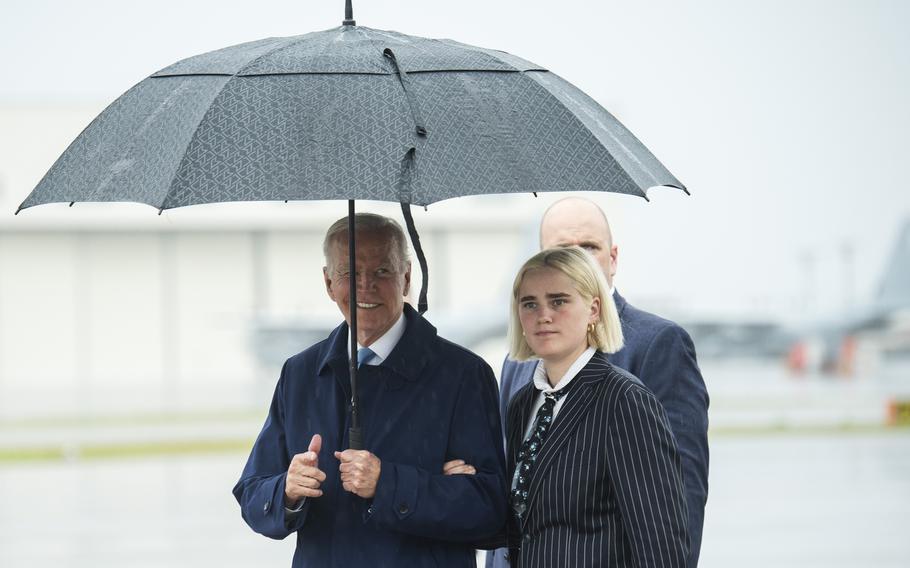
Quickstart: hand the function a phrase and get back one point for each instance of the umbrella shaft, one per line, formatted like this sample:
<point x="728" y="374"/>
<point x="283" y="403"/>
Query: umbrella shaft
<point x="354" y="438"/>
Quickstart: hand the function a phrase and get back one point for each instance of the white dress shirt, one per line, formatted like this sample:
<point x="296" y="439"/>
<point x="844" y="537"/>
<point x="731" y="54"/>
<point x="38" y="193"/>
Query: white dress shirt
<point x="383" y="346"/>
<point x="543" y="385"/>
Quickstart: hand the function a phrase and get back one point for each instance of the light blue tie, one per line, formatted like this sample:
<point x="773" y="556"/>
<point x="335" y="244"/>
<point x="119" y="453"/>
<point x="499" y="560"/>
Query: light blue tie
<point x="364" y="354"/>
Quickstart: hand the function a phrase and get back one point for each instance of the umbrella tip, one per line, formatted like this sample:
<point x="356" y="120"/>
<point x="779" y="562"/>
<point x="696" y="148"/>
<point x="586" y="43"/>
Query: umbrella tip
<point x="348" y="14"/>
<point x="18" y="209"/>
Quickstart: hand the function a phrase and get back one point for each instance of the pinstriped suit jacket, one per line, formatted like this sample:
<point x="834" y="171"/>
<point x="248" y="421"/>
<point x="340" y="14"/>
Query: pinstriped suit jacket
<point x="607" y="488"/>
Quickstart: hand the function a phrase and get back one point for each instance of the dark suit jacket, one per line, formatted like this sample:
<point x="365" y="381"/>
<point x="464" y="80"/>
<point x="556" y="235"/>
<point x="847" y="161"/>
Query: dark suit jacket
<point x="606" y="489"/>
<point x="429" y="402"/>
<point x="661" y="354"/>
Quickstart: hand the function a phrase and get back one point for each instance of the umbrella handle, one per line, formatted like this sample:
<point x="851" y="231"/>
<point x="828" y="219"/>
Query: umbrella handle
<point x="355" y="439"/>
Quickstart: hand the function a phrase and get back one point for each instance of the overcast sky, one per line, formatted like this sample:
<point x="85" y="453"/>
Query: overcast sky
<point x="788" y="121"/>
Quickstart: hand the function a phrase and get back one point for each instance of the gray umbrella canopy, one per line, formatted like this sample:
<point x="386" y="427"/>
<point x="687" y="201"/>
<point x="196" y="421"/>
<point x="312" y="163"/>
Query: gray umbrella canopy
<point x="348" y="113"/>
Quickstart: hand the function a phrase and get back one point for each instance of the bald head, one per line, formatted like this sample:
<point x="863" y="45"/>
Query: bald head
<point x="575" y="221"/>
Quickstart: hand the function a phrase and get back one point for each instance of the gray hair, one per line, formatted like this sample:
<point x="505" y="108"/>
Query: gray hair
<point x="368" y="223"/>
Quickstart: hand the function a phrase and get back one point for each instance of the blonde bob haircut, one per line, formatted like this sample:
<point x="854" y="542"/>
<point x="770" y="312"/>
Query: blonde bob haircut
<point x="583" y="270"/>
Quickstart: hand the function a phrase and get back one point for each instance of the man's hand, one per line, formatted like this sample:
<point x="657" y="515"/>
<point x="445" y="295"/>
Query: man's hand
<point x="304" y="476"/>
<point x="458" y="467"/>
<point x="359" y="472"/>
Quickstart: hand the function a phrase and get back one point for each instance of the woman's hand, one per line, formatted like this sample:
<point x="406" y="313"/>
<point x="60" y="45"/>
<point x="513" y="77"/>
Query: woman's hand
<point x="458" y="467"/>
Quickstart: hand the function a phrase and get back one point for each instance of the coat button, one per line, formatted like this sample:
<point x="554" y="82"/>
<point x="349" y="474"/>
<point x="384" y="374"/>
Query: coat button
<point x="526" y="537"/>
<point x="266" y="507"/>
<point x="403" y="508"/>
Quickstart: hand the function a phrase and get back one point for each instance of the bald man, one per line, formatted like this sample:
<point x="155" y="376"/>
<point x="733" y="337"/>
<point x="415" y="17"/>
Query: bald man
<point x="657" y="351"/>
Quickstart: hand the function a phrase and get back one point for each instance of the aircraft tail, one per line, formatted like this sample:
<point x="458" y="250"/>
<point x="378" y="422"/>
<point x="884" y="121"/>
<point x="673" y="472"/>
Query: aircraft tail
<point x="894" y="290"/>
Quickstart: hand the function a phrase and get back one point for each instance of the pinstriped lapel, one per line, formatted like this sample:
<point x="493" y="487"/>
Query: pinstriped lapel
<point x="519" y="414"/>
<point x="578" y="402"/>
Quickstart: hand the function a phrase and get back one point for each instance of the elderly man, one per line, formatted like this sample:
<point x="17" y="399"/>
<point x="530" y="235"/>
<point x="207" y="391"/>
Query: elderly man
<point x="657" y="351"/>
<point x="423" y="401"/>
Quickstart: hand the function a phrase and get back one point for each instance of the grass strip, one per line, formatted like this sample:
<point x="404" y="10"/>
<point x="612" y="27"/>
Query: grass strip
<point x="148" y="419"/>
<point x="91" y="452"/>
<point x="849" y="428"/>
<point x="126" y="450"/>
<point x="15" y="455"/>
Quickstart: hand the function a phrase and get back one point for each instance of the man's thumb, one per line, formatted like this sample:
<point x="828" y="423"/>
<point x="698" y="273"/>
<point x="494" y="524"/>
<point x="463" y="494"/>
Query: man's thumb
<point x="315" y="444"/>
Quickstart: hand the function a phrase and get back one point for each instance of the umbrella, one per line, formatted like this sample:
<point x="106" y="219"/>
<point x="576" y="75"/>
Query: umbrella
<point x="349" y="113"/>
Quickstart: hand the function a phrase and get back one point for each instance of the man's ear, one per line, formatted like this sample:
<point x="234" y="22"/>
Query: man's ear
<point x="328" y="282"/>
<point x="614" y="254"/>
<point x="407" y="279"/>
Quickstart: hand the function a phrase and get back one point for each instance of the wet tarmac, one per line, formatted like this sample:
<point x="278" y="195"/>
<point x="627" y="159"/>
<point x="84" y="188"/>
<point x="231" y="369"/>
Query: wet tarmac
<point x="832" y="500"/>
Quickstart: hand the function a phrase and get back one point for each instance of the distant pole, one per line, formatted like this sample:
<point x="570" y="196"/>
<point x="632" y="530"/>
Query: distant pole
<point x="807" y="264"/>
<point x="260" y="275"/>
<point x="3" y="395"/>
<point x="848" y="257"/>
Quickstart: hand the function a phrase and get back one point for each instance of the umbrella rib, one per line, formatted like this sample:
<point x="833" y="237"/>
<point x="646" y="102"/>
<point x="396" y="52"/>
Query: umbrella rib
<point x="351" y="73"/>
<point x="492" y="54"/>
<point x="347" y="73"/>
<point x="297" y="40"/>
<point x="379" y="48"/>
<point x="272" y="74"/>
<point x="268" y="53"/>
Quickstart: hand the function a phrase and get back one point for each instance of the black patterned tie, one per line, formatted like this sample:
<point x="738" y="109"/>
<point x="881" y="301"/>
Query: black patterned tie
<point x="527" y="454"/>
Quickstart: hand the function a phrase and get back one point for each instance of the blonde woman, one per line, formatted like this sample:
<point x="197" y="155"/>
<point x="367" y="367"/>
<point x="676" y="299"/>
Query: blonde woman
<point x="595" y="474"/>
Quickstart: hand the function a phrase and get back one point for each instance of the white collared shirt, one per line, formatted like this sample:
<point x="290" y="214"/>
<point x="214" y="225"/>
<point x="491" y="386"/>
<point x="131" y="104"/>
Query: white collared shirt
<point x="383" y="346"/>
<point x="543" y="385"/>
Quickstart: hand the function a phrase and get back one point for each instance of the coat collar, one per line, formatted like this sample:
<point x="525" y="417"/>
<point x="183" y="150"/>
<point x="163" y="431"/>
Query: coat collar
<point x="408" y="359"/>
<point x="620" y="302"/>
<point x="415" y="349"/>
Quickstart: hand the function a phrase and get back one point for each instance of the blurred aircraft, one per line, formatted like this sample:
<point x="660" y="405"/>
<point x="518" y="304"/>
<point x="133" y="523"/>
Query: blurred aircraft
<point x="874" y="335"/>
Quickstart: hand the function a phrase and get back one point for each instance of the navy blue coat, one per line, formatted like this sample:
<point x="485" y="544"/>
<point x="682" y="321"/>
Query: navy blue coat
<point x="661" y="354"/>
<point x="429" y="402"/>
